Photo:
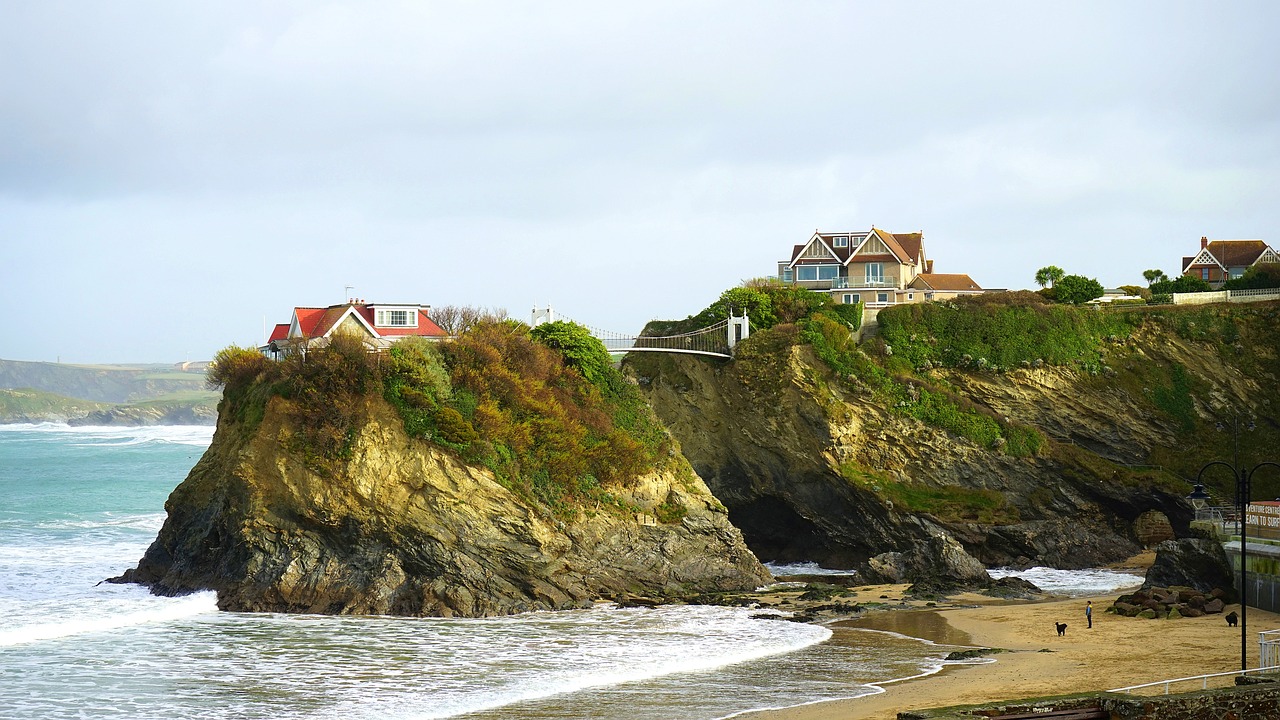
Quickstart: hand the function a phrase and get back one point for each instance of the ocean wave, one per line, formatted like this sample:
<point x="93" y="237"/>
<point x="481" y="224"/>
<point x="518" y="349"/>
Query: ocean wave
<point x="804" y="568"/>
<point x="607" y="647"/>
<point x="111" y="435"/>
<point x="153" y="610"/>
<point x="1075" y="583"/>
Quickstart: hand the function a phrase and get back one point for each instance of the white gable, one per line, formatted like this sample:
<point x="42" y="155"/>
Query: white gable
<point x="1267" y="257"/>
<point x="817" y="249"/>
<point x="1205" y="258"/>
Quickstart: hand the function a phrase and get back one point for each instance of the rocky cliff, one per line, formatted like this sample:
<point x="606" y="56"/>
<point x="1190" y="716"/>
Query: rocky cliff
<point x="816" y="464"/>
<point x="404" y="527"/>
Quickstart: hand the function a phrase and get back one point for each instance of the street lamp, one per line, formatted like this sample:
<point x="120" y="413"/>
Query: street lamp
<point x="1244" y="479"/>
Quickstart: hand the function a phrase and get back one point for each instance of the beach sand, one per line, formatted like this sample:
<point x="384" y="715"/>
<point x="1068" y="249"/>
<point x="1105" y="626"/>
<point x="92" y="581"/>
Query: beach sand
<point x="1116" y="652"/>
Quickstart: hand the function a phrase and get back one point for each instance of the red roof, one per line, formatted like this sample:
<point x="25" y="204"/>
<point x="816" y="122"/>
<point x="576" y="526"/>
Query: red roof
<point x="316" y="322"/>
<point x="279" y="332"/>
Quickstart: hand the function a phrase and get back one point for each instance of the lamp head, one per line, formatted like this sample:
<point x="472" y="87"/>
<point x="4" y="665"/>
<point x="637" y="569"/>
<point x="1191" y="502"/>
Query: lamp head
<point x="1198" y="497"/>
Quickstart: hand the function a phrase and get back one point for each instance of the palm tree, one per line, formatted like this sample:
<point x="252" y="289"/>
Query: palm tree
<point x="1154" y="276"/>
<point x="1046" y="276"/>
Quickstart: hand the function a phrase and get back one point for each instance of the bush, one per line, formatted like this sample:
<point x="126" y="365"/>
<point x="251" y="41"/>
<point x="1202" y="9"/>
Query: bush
<point x="1257" y="277"/>
<point x="1077" y="289"/>
<point x="581" y="350"/>
<point x="1180" y="284"/>
<point x="235" y="366"/>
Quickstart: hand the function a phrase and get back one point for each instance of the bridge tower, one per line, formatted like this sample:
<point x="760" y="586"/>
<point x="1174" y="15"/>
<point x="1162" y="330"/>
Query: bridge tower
<point x="739" y="328"/>
<point x="545" y="315"/>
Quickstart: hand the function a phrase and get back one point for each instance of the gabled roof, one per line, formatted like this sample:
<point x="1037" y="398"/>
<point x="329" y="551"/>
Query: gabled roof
<point x="279" y="332"/>
<point x="319" y="322"/>
<point x="945" y="282"/>
<point x="896" y="246"/>
<point x="903" y="247"/>
<point x="1237" y="253"/>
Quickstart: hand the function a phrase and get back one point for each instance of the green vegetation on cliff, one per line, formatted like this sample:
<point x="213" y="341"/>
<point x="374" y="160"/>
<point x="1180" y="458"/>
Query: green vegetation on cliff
<point x="544" y="410"/>
<point x="998" y="331"/>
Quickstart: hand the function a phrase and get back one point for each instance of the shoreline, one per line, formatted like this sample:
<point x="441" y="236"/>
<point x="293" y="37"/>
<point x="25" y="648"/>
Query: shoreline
<point x="1116" y="652"/>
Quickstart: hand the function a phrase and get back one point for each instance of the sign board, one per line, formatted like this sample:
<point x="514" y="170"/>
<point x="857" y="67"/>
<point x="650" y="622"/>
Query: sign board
<point x="1263" y="519"/>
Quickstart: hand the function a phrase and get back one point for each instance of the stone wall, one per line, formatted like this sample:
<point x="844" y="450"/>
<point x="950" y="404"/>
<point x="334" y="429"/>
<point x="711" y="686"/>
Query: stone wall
<point x="1259" y="699"/>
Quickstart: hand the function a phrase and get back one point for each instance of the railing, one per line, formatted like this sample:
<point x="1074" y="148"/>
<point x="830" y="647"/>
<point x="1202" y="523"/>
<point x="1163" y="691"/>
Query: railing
<point x="844" y="283"/>
<point x="1200" y="298"/>
<point x="1269" y="648"/>
<point x="1203" y="679"/>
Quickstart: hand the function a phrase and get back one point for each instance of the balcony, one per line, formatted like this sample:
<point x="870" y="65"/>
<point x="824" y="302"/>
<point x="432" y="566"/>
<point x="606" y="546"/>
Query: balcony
<point x="844" y="283"/>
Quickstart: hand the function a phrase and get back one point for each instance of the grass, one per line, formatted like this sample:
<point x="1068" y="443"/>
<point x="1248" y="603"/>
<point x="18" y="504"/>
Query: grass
<point x="946" y="503"/>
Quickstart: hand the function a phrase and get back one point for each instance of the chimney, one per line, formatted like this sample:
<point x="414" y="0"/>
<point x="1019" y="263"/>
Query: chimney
<point x="1204" y="242"/>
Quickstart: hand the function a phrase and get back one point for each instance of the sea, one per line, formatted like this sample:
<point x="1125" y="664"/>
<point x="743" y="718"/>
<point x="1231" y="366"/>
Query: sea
<point x="81" y="504"/>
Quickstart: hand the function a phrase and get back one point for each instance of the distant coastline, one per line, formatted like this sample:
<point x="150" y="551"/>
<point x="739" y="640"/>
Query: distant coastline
<point x="110" y="395"/>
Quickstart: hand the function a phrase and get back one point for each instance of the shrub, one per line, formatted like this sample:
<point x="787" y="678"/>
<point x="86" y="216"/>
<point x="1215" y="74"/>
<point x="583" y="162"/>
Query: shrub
<point x="1180" y="284"/>
<point x="1256" y="277"/>
<point x="235" y="366"/>
<point x="581" y="350"/>
<point x="1077" y="289"/>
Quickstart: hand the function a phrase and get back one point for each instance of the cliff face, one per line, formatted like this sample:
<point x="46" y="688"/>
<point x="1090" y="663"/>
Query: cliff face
<point x="813" y="466"/>
<point x="404" y="528"/>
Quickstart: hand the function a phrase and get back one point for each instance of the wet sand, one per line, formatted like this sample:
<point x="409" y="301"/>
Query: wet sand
<point x="1116" y="652"/>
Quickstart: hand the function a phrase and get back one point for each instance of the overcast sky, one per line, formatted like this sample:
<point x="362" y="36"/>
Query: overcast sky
<point x="174" y="174"/>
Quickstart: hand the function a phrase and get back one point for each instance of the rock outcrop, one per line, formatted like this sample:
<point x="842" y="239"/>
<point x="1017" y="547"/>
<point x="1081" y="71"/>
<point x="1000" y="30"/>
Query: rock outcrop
<point x="814" y="466"/>
<point x="1196" y="563"/>
<point x="406" y="528"/>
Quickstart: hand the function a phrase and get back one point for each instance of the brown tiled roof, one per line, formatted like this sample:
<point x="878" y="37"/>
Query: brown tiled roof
<point x="911" y="242"/>
<point x="945" y="282"/>
<point x="1237" y="253"/>
<point x="904" y="254"/>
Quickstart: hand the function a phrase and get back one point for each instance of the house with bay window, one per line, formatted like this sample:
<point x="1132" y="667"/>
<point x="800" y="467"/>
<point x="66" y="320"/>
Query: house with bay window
<point x="378" y="324"/>
<point x="1221" y="260"/>
<point x="875" y="267"/>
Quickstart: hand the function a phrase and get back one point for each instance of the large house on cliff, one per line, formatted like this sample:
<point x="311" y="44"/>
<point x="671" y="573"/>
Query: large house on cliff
<point x="874" y="267"/>
<point x="1221" y="260"/>
<point x="377" y="324"/>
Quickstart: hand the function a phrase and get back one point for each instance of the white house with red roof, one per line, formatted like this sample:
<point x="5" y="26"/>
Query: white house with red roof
<point x="875" y="267"/>
<point x="378" y="324"/>
<point x="1222" y="260"/>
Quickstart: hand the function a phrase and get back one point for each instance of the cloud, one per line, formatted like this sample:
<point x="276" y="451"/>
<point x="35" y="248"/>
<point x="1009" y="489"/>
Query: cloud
<point x="216" y="163"/>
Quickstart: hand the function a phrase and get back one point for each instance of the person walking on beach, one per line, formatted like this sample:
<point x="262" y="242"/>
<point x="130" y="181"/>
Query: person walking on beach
<point x="1088" y="612"/>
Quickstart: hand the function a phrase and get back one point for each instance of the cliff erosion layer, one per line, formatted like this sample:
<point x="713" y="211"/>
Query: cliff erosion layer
<point x="817" y="465"/>
<point x="405" y="528"/>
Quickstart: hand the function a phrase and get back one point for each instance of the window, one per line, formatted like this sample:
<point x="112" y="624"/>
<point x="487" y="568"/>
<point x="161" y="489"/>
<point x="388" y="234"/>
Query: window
<point x="1237" y="272"/>
<point x="847" y="299"/>
<point x="395" y="318"/>
<point x="882" y="297"/>
<point x="817" y="272"/>
<point x="840" y="242"/>
<point x="911" y="296"/>
<point x="875" y="272"/>
<point x="1204" y="273"/>
<point x="787" y="275"/>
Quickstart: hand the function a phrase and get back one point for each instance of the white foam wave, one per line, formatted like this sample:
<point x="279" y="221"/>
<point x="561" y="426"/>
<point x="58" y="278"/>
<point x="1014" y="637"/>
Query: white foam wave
<point x="804" y="568"/>
<point x="623" y="654"/>
<point x="194" y="435"/>
<point x="1075" y="583"/>
<point x="158" y="610"/>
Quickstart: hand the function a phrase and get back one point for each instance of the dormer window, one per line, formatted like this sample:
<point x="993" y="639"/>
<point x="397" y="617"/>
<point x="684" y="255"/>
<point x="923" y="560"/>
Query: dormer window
<point x="840" y="242"/>
<point x="395" y="317"/>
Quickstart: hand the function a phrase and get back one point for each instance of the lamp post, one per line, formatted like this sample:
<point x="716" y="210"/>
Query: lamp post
<point x="1244" y="478"/>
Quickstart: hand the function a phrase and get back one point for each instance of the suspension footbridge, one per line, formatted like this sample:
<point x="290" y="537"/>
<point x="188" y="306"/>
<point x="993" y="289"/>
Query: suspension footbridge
<point x="718" y="340"/>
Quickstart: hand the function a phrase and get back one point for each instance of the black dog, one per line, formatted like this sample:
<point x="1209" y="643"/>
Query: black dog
<point x="1062" y="629"/>
<point x="1232" y="618"/>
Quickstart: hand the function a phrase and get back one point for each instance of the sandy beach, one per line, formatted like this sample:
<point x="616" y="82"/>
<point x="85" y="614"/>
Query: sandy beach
<point x="1116" y="652"/>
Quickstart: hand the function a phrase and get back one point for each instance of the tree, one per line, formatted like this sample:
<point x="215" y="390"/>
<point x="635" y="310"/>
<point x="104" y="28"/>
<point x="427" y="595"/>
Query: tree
<point x="1266" y="275"/>
<point x="457" y="319"/>
<point x="1153" y="276"/>
<point x="1049" y="275"/>
<point x="1180" y="284"/>
<point x="581" y="349"/>
<point x="1077" y="289"/>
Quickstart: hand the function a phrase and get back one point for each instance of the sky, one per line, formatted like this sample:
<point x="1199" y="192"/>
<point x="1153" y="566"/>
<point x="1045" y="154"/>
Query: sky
<point x="174" y="176"/>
